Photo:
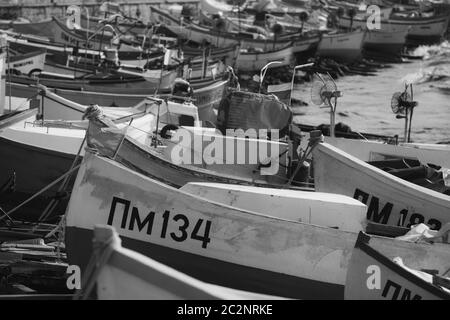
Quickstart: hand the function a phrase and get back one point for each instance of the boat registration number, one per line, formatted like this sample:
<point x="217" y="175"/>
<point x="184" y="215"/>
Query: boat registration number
<point x="159" y="225"/>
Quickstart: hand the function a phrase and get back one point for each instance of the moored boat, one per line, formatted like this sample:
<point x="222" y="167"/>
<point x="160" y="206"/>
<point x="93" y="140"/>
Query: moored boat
<point x="27" y="63"/>
<point x="385" y="42"/>
<point x="304" y="44"/>
<point x="124" y="274"/>
<point x="208" y="93"/>
<point x="345" y="47"/>
<point x="37" y="155"/>
<point x="254" y="60"/>
<point x="391" y="200"/>
<point x="218" y="243"/>
<point x="377" y="150"/>
<point x="421" y="30"/>
<point x="373" y="276"/>
<point x="43" y="148"/>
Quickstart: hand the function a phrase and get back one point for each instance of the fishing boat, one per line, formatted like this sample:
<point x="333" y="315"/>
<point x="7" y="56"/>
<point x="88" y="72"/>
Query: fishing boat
<point x="85" y="38"/>
<point x="254" y="60"/>
<point x="422" y="30"/>
<point x="135" y="150"/>
<point x="27" y="63"/>
<point x="390" y="199"/>
<point x="385" y="42"/>
<point x="44" y="28"/>
<point x="36" y="155"/>
<point x="207" y="94"/>
<point x="236" y="156"/>
<point x="129" y="51"/>
<point x="302" y="44"/>
<point x="109" y="83"/>
<point x="42" y="148"/>
<point x="345" y="47"/>
<point x="56" y="53"/>
<point x="227" y="55"/>
<point x="373" y="276"/>
<point x="124" y="26"/>
<point x="125" y="274"/>
<point x="221" y="244"/>
<point x="378" y="150"/>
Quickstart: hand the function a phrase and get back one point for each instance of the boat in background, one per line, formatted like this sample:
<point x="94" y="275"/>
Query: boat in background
<point x="343" y="47"/>
<point x="390" y="199"/>
<point x="373" y="276"/>
<point x="421" y="30"/>
<point x="208" y="93"/>
<point x="27" y="63"/>
<point x="372" y="150"/>
<point x="42" y="148"/>
<point x="221" y="244"/>
<point x="254" y="60"/>
<point x="123" y="274"/>
<point x="36" y="155"/>
<point x="385" y="42"/>
<point x="222" y="39"/>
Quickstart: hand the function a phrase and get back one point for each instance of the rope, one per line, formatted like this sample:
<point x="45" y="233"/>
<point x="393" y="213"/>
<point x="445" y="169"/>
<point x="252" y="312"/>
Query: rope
<point x="54" y="202"/>
<point x="102" y="253"/>
<point x="40" y="191"/>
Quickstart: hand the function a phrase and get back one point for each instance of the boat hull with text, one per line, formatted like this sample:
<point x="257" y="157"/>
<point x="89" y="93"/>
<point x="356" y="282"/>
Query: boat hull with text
<point x="217" y="243"/>
<point x="396" y="281"/>
<point x="390" y="199"/>
<point x="345" y="47"/>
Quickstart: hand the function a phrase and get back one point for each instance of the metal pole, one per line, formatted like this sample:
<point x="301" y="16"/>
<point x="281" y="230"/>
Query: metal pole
<point x="87" y="37"/>
<point x="9" y="75"/>
<point x="263" y="71"/>
<point x="293" y="77"/>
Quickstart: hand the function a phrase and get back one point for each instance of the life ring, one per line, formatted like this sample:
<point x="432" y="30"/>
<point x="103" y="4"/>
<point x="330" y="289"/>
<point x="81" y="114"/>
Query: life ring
<point x="164" y="131"/>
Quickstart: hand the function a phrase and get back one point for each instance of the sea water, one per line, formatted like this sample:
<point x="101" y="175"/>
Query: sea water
<point x="366" y="102"/>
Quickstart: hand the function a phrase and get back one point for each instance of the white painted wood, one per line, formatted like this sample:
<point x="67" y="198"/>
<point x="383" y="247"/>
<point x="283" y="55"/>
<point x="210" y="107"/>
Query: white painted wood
<point x="339" y="172"/>
<point x="373" y="150"/>
<point x="129" y="275"/>
<point x="317" y="208"/>
<point x="237" y="236"/>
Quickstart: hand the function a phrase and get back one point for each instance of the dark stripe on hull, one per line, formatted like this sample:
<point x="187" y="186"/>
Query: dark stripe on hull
<point x="341" y="55"/>
<point x="79" y="245"/>
<point x="303" y="56"/>
<point x="412" y="40"/>
<point x="384" y="48"/>
<point x="35" y="168"/>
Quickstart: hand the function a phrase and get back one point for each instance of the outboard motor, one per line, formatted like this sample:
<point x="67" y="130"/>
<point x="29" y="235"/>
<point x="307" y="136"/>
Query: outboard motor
<point x="181" y="91"/>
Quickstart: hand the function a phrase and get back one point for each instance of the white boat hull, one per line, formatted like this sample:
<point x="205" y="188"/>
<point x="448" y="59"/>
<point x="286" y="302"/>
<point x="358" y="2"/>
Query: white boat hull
<point x="28" y="62"/>
<point x="345" y="47"/>
<point x="374" y="151"/>
<point x="255" y="61"/>
<point x="214" y="242"/>
<point x="128" y="275"/>
<point x="390" y="200"/>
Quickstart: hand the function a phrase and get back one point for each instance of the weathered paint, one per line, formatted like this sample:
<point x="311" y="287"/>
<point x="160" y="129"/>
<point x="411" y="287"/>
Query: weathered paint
<point x="390" y="200"/>
<point x="246" y="250"/>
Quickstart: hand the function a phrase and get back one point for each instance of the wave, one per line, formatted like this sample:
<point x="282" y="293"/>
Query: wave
<point x="437" y="66"/>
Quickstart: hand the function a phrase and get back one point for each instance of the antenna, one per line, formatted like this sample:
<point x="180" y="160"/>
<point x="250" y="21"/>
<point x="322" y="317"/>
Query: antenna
<point x="324" y="93"/>
<point x="402" y="105"/>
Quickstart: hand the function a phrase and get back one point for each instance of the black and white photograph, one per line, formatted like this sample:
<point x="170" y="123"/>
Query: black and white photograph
<point x="246" y="151"/>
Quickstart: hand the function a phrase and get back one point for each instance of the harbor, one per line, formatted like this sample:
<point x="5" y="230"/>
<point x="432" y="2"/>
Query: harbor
<point x="225" y="150"/>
